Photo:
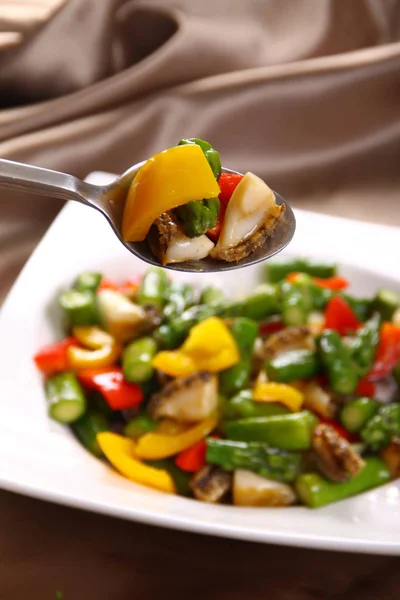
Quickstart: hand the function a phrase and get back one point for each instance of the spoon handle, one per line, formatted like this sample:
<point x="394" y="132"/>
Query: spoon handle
<point x="22" y="177"/>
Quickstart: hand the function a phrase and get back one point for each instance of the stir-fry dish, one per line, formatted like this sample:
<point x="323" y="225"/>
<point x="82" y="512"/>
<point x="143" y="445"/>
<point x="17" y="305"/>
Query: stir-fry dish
<point x="288" y="395"/>
<point x="186" y="208"/>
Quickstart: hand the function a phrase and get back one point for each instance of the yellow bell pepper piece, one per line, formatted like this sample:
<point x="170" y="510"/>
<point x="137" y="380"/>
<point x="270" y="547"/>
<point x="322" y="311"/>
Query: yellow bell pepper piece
<point x="209" y="347"/>
<point x="153" y="446"/>
<point x="120" y="451"/>
<point x="167" y="180"/>
<point x="103" y="349"/>
<point x="278" y="392"/>
<point x="170" y="427"/>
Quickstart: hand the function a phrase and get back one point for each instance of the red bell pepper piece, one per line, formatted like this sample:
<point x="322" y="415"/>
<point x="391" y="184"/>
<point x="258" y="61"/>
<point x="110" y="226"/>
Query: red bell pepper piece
<point x="388" y="351"/>
<point x="107" y="284"/>
<point x="271" y="327"/>
<point x="365" y="388"/>
<point x="54" y="357"/>
<point x="335" y="283"/>
<point x="192" y="459"/>
<point x="350" y="437"/>
<point x="131" y="285"/>
<point x="110" y="382"/>
<point x="227" y="184"/>
<point x="340" y="317"/>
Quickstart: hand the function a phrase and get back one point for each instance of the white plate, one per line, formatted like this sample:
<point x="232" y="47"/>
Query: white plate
<point x="40" y="458"/>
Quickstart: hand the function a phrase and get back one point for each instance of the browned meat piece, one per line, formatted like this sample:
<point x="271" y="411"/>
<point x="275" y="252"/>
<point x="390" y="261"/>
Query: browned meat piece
<point x="334" y="456"/>
<point x="391" y="456"/>
<point x="290" y="338"/>
<point x="186" y="399"/>
<point x="211" y="484"/>
<point x="253" y="242"/>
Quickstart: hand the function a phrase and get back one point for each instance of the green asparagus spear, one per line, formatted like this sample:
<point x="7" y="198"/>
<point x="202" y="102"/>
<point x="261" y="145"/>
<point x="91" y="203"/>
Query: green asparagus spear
<point x="263" y="302"/>
<point x="277" y="270"/>
<point x="338" y="362"/>
<point x="86" y="429"/>
<point x="137" y="359"/>
<point x="180" y="478"/>
<point x="287" y="432"/>
<point x="211" y="295"/>
<point x="254" y="456"/>
<point x="242" y="406"/>
<point x="295" y="364"/>
<point x="380" y="429"/>
<point x="65" y="396"/>
<point x="356" y="413"/>
<point x="360" y="306"/>
<point x="88" y="281"/>
<point x="365" y="343"/>
<point x="237" y="377"/>
<point x="139" y="425"/>
<point x="315" y="491"/>
<point x="153" y="288"/>
<point x="294" y="304"/>
<point x="80" y="308"/>
<point x="315" y="297"/>
<point x="180" y="297"/>
<point x="386" y="302"/>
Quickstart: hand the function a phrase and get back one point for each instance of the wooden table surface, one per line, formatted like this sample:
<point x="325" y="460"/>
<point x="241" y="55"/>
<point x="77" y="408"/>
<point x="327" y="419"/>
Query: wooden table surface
<point x="45" y="547"/>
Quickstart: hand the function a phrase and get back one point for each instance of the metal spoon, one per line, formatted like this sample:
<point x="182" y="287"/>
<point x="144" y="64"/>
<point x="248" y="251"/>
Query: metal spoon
<point x="109" y="200"/>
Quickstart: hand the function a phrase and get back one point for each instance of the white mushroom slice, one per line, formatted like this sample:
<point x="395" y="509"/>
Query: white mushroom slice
<point x="250" y="489"/>
<point x="247" y="211"/>
<point x="122" y="318"/>
<point x="182" y="248"/>
<point x="186" y="399"/>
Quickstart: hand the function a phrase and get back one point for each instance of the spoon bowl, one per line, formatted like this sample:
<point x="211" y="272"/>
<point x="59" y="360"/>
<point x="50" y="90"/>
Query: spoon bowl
<point x="110" y="200"/>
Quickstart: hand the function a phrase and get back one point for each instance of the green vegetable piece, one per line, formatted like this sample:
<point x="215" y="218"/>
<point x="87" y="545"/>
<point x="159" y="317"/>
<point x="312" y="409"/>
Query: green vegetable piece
<point x="295" y="364"/>
<point x="88" y="281"/>
<point x="172" y="334"/>
<point x="86" y="429"/>
<point x="365" y="343"/>
<point x="139" y="425"/>
<point x="263" y="302"/>
<point x="254" y="456"/>
<point x="277" y="270"/>
<point x="211" y="295"/>
<point x="180" y="297"/>
<point x="198" y="216"/>
<point x="180" y="478"/>
<point x="79" y="307"/>
<point x="211" y="155"/>
<point x="337" y="359"/>
<point x="153" y="288"/>
<point x="237" y="377"/>
<point x="295" y="304"/>
<point x="287" y="432"/>
<point x="315" y="491"/>
<point x="381" y="428"/>
<point x="356" y="413"/>
<point x="315" y="297"/>
<point x="66" y="398"/>
<point x="196" y="142"/>
<point x="137" y="359"/>
<point x="360" y="306"/>
<point x="242" y="406"/>
<point x="386" y="302"/>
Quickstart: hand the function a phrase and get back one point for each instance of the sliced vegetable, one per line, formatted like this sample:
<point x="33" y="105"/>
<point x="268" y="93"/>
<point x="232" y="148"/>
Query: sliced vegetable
<point x="294" y="305"/>
<point x="120" y="451"/>
<point x="295" y="364"/>
<point x="103" y="352"/>
<point x="110" y="382"/>
<point x="179" y="297"/>
<point x="250" y="489"/>
<point x="254" y="456"/>
<point x="337" y="359"/>
<point x="167" y="180"/>
<point x="364" y="344"/>
<point x="180" y="478"/>
<point x="86" y="429"/>
<point x="340" y="317"/>
<point x="65" y="397"/>
<point x="278" y="270"/>
<point x="365" y="388"/>
<point x="242" y="406"/>
<point x="156" y="445"/>
<point x="79" y="307"/>
<point x="139" y="425"/>
<point x="388" y="352"/>
<point x="315" y="491"/>
<point x="260" y="304"/>
<point x="278" y="392"/>
<point x="137" y="360"/>
<point x="153" y="288"/>
<point x="386" y="302"/>
<point x="211" y="295"/>
<point x="88" y="281"/>
<point x="381" y="428"/>
<point x="237" y="377"/>
<point x="356" y="413"/>
<point x="287" y="432"/>
<point x="192" y="459"/>
<point x="53" y="358"/>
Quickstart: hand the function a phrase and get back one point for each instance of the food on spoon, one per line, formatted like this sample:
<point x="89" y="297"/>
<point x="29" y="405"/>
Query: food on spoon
<point x="181" y="204"/>
<point x="231" y="400"/>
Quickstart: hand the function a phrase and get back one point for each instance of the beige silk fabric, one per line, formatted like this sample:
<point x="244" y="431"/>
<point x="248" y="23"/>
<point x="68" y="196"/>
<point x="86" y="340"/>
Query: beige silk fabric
<point x="305" y="93"/>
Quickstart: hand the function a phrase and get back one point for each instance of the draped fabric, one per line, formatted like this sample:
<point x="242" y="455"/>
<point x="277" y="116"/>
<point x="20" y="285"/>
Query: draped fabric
<point x="306" y="94"/>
